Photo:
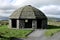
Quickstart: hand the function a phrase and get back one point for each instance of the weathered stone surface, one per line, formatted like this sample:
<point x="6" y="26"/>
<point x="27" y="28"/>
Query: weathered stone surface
<point x="10" y="24"/>
<point x="21" y="24"/>
<point x="34" y="24"/>
<point x="28" y="12"/>
<point x="44" y="23"/>
<point x="17" y="24"/>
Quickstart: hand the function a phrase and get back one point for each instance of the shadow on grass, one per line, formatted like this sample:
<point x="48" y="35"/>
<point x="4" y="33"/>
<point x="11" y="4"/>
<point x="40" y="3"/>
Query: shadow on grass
<point x="53" y="27"/>
<point x="14" y="38"/>
<point x="10" y="38"/>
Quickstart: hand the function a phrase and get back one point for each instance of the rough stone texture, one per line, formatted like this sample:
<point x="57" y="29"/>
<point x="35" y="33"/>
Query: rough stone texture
<point x="17" y="24"/>
<point x="10" y="24"/>
<point x="21" y="24"/>
<point x="34" y="23"/>
<point x="44" y="23"/>
<point x="28" y="12"/>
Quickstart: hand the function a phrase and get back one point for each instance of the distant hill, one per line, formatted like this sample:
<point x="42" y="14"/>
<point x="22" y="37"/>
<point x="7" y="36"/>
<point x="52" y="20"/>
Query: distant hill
<point x="3" y="18"/>
<point x="54" y="19"/>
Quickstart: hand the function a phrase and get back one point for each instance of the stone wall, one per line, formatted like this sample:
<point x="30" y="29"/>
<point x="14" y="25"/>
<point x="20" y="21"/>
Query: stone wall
<point x="44" y="24"/>
<point x="17" y="24"/>
<point x="21" y="24"/>
<point x="34" y="24"/>
<point x="10" y="24"/>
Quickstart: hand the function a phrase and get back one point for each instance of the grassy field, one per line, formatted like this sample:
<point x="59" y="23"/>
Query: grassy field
<point x="53" y="27"/>
<point x="5" y="32"/>
<point x="51" y="32"/>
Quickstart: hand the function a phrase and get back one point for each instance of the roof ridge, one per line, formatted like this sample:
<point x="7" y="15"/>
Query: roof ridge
<point x="33" y="10"/>
<point x="21" y="12"/>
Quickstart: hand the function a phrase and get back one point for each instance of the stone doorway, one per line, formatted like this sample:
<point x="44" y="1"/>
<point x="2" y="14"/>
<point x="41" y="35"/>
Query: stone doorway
<point x="14" y="23"/>
<point x="39" y="23"/>
<point x="28" y="23"/>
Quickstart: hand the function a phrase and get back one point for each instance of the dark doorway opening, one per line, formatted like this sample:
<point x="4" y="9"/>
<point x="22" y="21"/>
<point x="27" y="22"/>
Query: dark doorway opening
<point x="39" y="22"/>
<point x="14" y="23"/>
<point x="28" y="24"/>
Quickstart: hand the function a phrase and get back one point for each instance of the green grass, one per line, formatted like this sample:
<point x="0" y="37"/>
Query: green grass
<point x="53" y="28"/>
<point x="6" y="32"/>
<point x="51" y="32"/>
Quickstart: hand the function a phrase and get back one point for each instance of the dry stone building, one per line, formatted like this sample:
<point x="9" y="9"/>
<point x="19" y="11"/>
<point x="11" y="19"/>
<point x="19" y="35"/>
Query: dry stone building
<point x="28" y="17"/>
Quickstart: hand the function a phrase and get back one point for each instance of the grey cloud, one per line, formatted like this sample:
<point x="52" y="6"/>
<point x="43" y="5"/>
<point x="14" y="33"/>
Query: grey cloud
<point x="36" y="3"/>
<point x="7" y="7"/>
<point x="7" y="11"/>
<point x="39" y="3"/>
<point x="51" y="10"/>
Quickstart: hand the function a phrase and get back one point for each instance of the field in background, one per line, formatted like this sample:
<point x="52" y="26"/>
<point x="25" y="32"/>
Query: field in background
<point x="55" y="23"/>
<point x="53" y="27"/>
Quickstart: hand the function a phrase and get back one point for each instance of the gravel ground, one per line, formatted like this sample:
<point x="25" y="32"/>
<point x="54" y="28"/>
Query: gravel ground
<point x="42" y="37"/>
<point x="37" y="35"/>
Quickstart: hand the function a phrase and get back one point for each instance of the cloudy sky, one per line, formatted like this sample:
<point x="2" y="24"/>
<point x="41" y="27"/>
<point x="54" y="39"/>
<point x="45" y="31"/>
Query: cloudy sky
<point x="51" y="8"/>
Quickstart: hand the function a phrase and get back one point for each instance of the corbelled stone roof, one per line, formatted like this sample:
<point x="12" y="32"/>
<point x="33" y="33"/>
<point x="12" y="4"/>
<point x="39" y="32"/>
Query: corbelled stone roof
<point x="27" y="12"/>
